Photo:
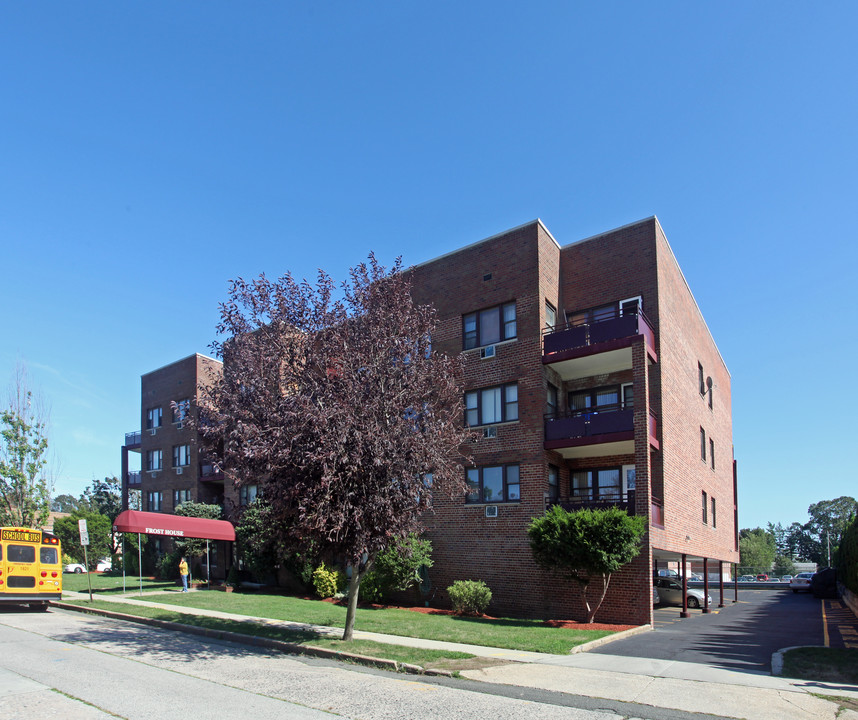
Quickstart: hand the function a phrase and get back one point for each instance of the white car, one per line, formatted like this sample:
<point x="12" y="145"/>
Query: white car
<point x="801" y="582"/>
<point x="670" y="593"/>
<point x="104" y="565"/>
<point x="74" y="568"/>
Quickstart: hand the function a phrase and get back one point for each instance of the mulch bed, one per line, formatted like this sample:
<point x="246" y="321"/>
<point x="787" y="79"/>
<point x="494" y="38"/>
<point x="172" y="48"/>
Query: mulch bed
<point x="571" y="624"/>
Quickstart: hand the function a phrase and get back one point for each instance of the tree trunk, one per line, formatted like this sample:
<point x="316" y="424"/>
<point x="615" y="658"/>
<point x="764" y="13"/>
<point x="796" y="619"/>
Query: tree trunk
<point x="358" y="573"/>
<point x="591" y="614"/>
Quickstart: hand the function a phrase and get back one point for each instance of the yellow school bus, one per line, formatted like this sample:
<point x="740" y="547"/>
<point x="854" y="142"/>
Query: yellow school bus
<point x="31" y="568"/>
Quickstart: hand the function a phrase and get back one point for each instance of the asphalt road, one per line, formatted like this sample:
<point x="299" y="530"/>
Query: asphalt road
<point x="741" y="636"/>
<point x="82" y="667"/>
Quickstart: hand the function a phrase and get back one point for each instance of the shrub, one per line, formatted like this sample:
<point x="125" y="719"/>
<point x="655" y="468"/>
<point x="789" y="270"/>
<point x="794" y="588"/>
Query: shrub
<point x="328" y="581"/>
<point x="168" y="566"/>
<point x="469" y="597"/>
<point x="397" y="568"/>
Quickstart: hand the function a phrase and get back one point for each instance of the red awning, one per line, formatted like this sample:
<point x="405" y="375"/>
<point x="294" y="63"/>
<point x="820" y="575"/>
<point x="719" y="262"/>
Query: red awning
<point x="173" y="525"/>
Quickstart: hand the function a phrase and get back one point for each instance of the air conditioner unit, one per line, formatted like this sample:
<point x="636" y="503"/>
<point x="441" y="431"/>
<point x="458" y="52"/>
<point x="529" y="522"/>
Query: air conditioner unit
<point x="487" y="352"/>
<point x="153" y="431"/>
<point x="490" y="432"/>
<point x="178" y="471"/>
<point x="491" y="510"/>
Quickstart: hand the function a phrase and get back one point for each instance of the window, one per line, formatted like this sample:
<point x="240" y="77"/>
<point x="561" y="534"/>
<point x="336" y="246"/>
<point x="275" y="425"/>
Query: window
<point x="628" y="391"/>
<point x="552" y="398"/>
<point x="498" y="483"/>
<point x="701" y="379"/>
<point x="153" y="460"/>
<point x="181" y="455"/>
<point x="705" y="508"/>
<point x="180" y="412"/>
<point x="550" y="316"/>
<point x="153" y="418"/>
<point x="489" y="326"/>
<point x="153" y="501"/>
<point x="712" y="501"/>
<point x="181" y="496"/>
<point x="553" y="483"/>
<point x="702" y="444"/>
<point x="709" y="390"/>
<point x="712" y="452"/>
<point x="491" y="405"/>
<point x="582" y="402"/>
<point x="597" y="484"/>
<point x="247" y="494"/>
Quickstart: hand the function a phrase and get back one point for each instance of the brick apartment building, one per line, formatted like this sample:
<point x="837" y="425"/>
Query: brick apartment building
<point x="172" y="470"/>
<point x="595" y="381"/>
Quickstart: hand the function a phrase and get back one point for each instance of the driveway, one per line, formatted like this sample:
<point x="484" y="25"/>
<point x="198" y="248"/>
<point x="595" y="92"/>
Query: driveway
<point x="741" y="636"/>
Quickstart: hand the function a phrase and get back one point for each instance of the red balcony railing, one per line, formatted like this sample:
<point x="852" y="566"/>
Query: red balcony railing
<point x="573" y="335"/>
<point x="607" y="420"/>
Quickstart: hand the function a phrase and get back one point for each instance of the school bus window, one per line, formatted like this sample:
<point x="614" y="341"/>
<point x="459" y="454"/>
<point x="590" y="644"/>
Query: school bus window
<point x="48" y="556"/>
<point x="22" y="553"/>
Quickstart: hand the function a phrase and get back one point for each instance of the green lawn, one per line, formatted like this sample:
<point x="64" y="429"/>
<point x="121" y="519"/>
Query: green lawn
<point x="837" y="665"/>
<point x="401" y="653"/>
<point x="109" y="583"/>
<point x="504" y="632"/>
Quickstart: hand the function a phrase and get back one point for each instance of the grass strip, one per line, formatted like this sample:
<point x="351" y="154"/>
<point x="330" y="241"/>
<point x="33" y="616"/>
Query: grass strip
<point x="401" y="653"/>
<point x="508" y="633"/>
<point x="837" y="665"/>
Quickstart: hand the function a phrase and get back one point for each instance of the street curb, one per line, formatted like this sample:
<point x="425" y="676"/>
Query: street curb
<point x="269" y="643"/>
<point x="593" y="644"/>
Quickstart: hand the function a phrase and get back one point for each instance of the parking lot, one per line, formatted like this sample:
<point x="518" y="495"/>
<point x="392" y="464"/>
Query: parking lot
<point x="743" y="636"/>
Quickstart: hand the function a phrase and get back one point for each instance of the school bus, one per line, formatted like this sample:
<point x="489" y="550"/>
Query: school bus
<point x="30" y="567"/>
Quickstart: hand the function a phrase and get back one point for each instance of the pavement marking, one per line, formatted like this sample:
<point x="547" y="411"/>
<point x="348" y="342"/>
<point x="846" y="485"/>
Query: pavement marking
<point x="825" y="639"/>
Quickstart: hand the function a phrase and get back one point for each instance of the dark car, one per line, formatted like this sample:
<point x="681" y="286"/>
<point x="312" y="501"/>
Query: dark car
<point x="824" y="584"/>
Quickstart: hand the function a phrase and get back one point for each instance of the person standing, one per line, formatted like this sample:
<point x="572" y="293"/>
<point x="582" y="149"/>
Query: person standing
<point x="183" y="572"/>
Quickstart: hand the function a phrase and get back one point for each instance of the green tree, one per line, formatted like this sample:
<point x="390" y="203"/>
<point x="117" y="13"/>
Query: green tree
<point x="65" y="503"/>
<point x="104" y="496"/>
<point x="756" y="550"/>
<point x="256" y="542"/>
<point x="398" y="567"/>
<point x="99" y="528"/>
<point x="24" y="490"/>
<point x="784" y="565"/>
<point x="828" y="522"/>
<point x="586" y="544"/>
<point x="25" y="487"/>
<point x="194" y="547"/>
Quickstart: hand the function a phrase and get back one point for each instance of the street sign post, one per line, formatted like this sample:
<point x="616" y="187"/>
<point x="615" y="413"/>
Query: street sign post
<point x="84" y="540"/>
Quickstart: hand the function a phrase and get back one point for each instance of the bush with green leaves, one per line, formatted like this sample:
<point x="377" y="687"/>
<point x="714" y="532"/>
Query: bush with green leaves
<point x="469" y="597"/>
<point x="397" y="568"/>
<point x="328" y="581"/>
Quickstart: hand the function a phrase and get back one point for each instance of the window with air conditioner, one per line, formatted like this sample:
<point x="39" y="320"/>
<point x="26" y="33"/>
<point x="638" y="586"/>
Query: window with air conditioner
<point x="493" y="484"/>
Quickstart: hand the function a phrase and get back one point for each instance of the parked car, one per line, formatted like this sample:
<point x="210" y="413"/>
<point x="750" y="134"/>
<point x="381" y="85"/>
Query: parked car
<point x="786" y="578"/>
<point x="104" y="565"/>
<point x="670" y="593"/>
<point x="823" y="584"/>
<point x="74" y="568"/>
<point x="747" y="578"/>
<point x="801" y="582"/>
<point x="762" y="577"/>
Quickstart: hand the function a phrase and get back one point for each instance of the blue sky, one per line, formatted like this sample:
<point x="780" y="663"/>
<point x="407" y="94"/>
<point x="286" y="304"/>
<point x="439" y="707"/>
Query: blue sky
<point x="151" y="152"/>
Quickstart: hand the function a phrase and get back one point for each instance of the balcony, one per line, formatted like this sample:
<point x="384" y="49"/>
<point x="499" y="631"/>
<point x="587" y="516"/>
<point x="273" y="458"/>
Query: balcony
<point x="608" y="431"/>
<point x="580" y="349"/>
<point x="132" y="440"/>
<point x="134" y="478"/>
<point x="210" y="473"/>
<point x="582" y="498"/>
<point x="610" y="497"/>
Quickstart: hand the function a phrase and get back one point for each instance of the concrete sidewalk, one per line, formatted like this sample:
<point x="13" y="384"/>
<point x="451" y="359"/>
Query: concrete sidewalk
<point x="689" y="687"/>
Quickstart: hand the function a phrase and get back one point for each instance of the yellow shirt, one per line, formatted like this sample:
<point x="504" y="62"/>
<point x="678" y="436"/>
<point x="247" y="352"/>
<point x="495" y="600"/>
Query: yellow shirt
<point x="183" y="568"/>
